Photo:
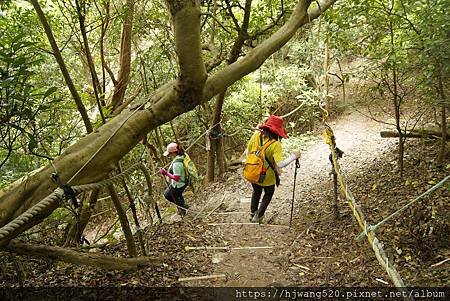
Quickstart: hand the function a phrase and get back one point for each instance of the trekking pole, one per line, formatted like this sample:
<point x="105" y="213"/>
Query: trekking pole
<point x="297" y="166"/>
<point x="157" y="211"/>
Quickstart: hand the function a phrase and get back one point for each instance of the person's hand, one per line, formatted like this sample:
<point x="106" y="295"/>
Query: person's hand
<point x="297" y="153"/>
<point x="163" y="171"/>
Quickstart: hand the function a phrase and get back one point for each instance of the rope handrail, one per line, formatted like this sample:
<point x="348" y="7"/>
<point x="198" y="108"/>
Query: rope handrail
<point x="357" y="212"/>
<point x="359" y="216"/>
<point x="381" y="223"/>
<point x="58" y="194"/>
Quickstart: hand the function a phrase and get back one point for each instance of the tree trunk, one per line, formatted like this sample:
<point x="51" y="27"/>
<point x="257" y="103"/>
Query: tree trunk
<point x="397" y="102"/>
<point x="342" y="77"/>
<point x="401" y="153"/>
<point x="215" y="139"/>
<point x="92" y="157"/>
<point x="62" y="66"/>
<point x="125" y="58"/>
<point x="91" y="259"/>
<point x="98" y="92"/>
<point x="442" y="151"/>
<point x="76" y="229"/>
<point x="326" y="81"/>
<point x="175" y="135"/>
<point x="211" y="164"/>
<point x="134" y="213"/>
<point x="131" y="245"/>
<point x="220" y="153"/>
<point x="105" y="67"/>
<point x="416" y="134"/>
<point x="445" y="137"/>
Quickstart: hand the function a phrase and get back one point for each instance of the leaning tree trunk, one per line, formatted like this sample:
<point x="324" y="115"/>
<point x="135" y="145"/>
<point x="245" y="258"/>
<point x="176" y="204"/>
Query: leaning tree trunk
<point x="125" y="58"/>
<point x="62" y="66"/>
<point x="131" y="245"/>
<point x="92" y="157"/>
<point x="77" y="227"/>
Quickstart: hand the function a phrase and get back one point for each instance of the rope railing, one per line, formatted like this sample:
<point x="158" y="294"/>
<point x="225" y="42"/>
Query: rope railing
<point x="358" y="214"/>
<point x="58" y="194"/>
<point x="381" y="223"/>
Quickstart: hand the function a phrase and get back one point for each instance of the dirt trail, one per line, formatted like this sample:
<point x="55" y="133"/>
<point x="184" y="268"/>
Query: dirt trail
<point x="318" y="250"/>
<point x="283" y="265"/>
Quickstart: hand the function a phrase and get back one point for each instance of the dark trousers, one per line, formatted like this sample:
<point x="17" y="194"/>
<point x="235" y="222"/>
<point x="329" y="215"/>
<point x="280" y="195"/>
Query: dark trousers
<point x="256" y="196"/>
<point x="175" y="195"/>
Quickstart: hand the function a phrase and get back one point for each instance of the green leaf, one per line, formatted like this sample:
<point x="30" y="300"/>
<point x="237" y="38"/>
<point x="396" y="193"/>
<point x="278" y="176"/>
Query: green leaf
<point x="50" y="91"/>
<point x="33" y="143"/>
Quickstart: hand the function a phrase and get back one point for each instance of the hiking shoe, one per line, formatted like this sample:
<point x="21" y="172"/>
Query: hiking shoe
<point x="257" y="219"/>
<point x="252" y="214"/>
<point x="181" y="212"/>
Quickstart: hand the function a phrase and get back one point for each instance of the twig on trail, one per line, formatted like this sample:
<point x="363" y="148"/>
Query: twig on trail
<point x="97" y="239"/>
<point x="302" y="267"/>
<point x="203" y="208"/>
<point x="439" y="263"/>
<point x="227" y="248"/>
<point x="295" y="239"/>
<point x="215" y="208"/>
<point x="382" y="281"/>
<point x="202" y="277"/>
<point x="241" y="224"/>
<point x="315" y="257"/>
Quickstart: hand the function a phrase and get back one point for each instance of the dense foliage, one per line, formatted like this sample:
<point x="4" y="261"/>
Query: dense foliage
<point x="370" y="42"/>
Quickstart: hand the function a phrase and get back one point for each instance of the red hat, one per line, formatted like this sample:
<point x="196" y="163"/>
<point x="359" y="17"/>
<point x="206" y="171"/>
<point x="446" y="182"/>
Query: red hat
<point x="275" y="124"/>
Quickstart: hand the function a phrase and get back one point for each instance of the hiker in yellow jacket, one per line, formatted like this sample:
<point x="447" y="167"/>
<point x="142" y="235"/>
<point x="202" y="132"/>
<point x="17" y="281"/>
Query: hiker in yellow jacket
<point x="269" y="138"/>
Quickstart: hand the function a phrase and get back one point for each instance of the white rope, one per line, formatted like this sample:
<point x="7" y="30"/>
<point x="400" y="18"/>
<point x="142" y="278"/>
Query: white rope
<point x="56" y="197"/>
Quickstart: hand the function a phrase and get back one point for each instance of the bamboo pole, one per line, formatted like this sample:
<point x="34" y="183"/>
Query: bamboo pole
<point x="247" y="224"/>
<point x="206" y="277"/>
<point x="227" y="248"/>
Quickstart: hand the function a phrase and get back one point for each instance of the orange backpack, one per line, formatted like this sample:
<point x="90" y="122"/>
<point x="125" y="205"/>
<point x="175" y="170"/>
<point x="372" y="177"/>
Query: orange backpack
<point x="254" y="169"/>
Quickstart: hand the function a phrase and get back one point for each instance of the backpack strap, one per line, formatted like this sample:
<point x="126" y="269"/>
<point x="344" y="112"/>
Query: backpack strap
<point x="186" y="173"/>
<point x="265" y="146"/>
<point x="178" y="160"/>
<point x="171" y="164"/>
<point x="277" y="177"/>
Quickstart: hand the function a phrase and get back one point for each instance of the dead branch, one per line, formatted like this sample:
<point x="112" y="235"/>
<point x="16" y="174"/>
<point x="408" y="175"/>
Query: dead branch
<point x="72" y="256"/>
<point x="414" y="134"/>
